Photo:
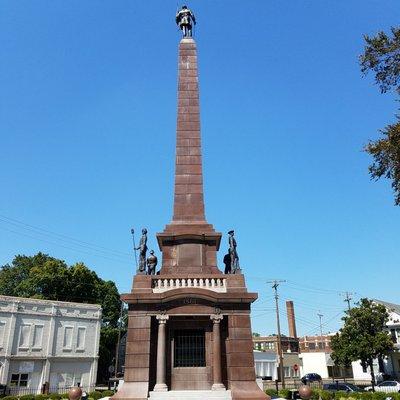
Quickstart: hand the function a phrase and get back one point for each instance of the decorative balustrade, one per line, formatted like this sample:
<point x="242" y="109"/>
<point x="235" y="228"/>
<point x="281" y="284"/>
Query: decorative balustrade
<point x="215" y="284"/>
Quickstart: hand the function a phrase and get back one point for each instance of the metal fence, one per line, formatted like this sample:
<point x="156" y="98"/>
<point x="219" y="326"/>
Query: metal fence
<point x="296" y="383"/>
<point x="20" y="391"/>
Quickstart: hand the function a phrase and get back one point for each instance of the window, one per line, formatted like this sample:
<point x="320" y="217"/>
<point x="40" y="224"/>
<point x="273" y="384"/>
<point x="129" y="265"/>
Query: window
<point x="311" y="346"/>
<point x="71" y="379"/>
<point x="68" y="331"/>
<point x="189" y="348"/>
<point x="20" y="380"/>
<point x="393" y="335"/>
<point x="2" y="333"/>
<point x="80" y="338"/>
<point x="24" y="336"/>
<point x="286" y="372"/>
<point x="37" y="337"/>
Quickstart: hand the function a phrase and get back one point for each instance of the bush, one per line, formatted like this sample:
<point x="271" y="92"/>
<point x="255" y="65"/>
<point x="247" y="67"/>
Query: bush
<point x="341" y="395"/>
<point x="54" y="396"/>
<point x="39" y="397"/>
<point x="10" y="398"/>
<point x="367" y="395"/>
<point x="271" y="392"/>
<point x="96" y="395"/>
<point x="285" y="393"/>
<point x="107" y="393"/>
<point x="324" y="394"/>
<point x="379" y="396"/>
<point x="64" y="395"/>
<point x="31" y="397"/>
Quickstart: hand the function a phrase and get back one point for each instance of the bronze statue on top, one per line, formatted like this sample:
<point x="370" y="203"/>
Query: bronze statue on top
<point x="235" y="268"/>
<point x="142" y="253"/>
<point x="184" y="19"/>
<point x="151" y="263"/>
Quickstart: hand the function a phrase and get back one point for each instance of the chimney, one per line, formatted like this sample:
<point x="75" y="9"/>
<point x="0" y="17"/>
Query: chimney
<point x="291" y="319"/>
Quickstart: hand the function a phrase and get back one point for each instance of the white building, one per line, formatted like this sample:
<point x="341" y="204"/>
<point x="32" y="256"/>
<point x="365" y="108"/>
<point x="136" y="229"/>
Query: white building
<point x="48" y="341"/>
<point x="266" y="364"/>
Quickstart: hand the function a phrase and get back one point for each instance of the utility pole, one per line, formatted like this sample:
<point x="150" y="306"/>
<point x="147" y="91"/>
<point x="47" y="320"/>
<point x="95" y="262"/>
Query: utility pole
<point x="320" y="329"/>
<point x="348" y="298"/>
<point x="275" y="284"/>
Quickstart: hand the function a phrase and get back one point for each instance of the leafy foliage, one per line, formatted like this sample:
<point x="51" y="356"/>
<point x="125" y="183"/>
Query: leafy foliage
<point x="285" y="394"/>
<point x="386" y="155"/>
<point x="44" y="277"/>
<point x="382" y="56"/>
<point x="363" y="336"/>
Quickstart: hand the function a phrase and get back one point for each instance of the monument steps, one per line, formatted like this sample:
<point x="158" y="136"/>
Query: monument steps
<point x="192" y="395"/>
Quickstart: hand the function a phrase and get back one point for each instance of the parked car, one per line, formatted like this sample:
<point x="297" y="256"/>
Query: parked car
<point x="311" y="377"/>
<point x="387" y="387"/>
<point x="341" y="386"/>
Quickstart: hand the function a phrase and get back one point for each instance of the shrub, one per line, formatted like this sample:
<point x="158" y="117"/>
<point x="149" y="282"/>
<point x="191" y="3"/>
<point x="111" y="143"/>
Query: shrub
<point x="10" y="398"/>
<point x="379" y="396"/>
<point x="31" y="397"/>
<point x="271" y="392"/>
<point x="107" y="393"/>
<point x="39" y="397"/>
<point x="64" y="395"/>
<point x="285" y="393"/>
<point x="96" y="395"/>
<point x="325" y="395"/>
<point x="55" y="396"/>
<point x="367" y="395"/>
<point x="341" y="395"/>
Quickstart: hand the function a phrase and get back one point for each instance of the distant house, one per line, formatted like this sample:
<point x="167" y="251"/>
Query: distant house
<point x="48" y="342"/>
<point x="389" y="365"/>
<point x="266" y="355"/>
<point x="316" y="357"/>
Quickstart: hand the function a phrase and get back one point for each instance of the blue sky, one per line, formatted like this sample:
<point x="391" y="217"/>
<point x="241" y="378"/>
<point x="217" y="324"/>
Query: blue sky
<point x="87" y="127"/>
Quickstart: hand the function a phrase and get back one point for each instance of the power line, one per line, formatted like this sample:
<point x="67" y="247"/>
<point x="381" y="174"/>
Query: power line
<point x="62" y="237"/>
<point x="65" y="247"/>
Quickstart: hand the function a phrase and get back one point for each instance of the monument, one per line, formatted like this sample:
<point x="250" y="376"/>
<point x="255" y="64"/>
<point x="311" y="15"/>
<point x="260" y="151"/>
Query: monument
<point x="189" y="333"/>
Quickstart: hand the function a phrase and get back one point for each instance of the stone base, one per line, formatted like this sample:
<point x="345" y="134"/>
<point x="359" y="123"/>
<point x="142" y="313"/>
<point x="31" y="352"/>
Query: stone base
<point x="132" y="390"/>
<point x="192" y="395"/>
<point x="218" y="386"/>
<point x="245" y="390"/>
<point x="161" y="387"/>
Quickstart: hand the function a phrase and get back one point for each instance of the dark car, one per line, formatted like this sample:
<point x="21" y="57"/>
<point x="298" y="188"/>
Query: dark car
<point x="342" y="387"/>
<point x="312" y="377"/>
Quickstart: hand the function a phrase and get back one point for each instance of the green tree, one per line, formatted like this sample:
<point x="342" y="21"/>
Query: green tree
<point x="382" y="57"/>
<point x="45" y="277"/>
<point x="363" y="337"/>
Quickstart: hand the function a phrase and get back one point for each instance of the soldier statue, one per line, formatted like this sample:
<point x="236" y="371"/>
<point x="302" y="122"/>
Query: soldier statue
<point x="151" y="263"/>
<point x="233" y="253"/>
<point x="184" y="19"/>
<point x="227" y="262"/>
<point x="143" y="250"/>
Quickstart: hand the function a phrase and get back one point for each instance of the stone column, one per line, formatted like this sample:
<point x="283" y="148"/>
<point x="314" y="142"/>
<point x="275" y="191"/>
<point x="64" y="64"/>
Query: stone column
<point x="161" y="386"/>
<point x="217" y="375"/>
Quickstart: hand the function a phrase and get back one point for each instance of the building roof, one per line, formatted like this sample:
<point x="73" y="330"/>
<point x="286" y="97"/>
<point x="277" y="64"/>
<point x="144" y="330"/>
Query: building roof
<point x="55" y="302"/>
<point x="390" y="306"/>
